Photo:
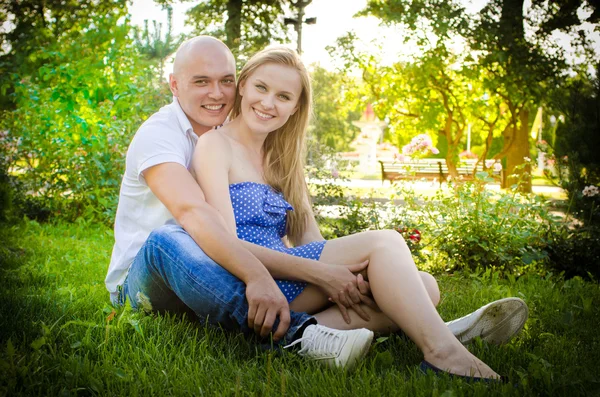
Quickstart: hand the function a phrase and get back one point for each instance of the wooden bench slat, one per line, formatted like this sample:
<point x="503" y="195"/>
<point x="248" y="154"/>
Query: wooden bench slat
<point x="427" y="169"/>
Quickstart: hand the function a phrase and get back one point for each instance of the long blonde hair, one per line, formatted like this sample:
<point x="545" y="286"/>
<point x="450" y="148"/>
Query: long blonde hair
<point x="283" y="150"/>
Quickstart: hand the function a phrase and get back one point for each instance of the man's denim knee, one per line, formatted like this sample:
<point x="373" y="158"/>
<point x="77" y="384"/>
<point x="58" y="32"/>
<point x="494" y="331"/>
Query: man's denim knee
<point x="171" y="269"/>
<point x="164" y="234"/>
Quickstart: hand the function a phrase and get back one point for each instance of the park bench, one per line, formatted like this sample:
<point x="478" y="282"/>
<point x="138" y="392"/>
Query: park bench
<point x="429" y="169"/>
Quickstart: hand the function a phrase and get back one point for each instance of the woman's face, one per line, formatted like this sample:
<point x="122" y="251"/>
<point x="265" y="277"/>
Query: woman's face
<point x="269" y="97"/>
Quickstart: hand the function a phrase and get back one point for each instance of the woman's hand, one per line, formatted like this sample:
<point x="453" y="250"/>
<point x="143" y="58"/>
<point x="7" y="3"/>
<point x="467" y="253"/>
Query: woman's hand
<point x="347" y="289"/>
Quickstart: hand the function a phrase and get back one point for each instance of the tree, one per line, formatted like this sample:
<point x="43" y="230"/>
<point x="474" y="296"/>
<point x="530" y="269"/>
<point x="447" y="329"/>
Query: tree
<point x="336" y="104"/>
<point x="153" y="45"/>
<point x="515" y="67"/>
<point x="577" y="142"/>
<point x="37" y="24"/>
<point x="427" y="93"/>
<point x="76" y="102"/>
<point x="245" y="26"/>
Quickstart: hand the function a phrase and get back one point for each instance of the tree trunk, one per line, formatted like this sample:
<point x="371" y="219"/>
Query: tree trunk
<point x="518" y="151"/>
<point x="511" y="24"/>
<point x="512" y="42"/>
<point x="452" y="146"/>
<point x="233" y="26"/>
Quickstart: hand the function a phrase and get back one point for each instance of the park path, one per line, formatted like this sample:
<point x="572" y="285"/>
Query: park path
<point x="426" y="185"/>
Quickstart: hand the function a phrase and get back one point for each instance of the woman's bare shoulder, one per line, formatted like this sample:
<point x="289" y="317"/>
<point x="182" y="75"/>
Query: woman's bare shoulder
<point x="214" y="141"/>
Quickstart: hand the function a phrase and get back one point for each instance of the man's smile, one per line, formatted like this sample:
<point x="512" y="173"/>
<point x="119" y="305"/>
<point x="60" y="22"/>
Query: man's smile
<point x="213" y="108"/>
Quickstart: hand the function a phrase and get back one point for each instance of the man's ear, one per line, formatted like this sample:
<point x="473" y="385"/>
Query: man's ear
<point x="173" y="84"/>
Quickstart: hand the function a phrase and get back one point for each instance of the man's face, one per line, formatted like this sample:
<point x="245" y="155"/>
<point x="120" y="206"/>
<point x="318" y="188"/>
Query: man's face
<point x="205" y="87"/>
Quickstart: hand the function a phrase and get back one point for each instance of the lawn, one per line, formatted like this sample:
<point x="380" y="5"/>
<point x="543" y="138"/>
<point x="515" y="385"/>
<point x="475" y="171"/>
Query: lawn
<point x="60" y="336"/>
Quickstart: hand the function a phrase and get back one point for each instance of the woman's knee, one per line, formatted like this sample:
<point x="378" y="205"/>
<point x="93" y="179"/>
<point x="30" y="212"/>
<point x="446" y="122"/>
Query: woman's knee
<point x="385" y="239"/>
<point x="431" y="286"/>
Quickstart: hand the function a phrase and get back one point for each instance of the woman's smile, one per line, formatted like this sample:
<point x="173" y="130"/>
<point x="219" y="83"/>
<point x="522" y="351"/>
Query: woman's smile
<point x="262" y="115"/>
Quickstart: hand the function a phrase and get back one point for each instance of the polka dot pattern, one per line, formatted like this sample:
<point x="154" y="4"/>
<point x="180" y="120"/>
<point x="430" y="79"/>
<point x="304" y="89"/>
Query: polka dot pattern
<point x="261" y="218"/>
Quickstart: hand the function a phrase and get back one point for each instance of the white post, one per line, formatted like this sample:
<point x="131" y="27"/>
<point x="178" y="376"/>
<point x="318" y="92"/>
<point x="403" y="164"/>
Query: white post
<point x="469" y="138"/>
<point x="540" y="153"/>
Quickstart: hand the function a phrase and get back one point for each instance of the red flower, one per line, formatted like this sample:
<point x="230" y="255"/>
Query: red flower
<point x="415" y="236"/>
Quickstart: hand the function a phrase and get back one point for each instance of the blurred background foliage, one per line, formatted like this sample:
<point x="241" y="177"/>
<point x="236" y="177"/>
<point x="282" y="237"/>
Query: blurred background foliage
<point x="77" y="80"/>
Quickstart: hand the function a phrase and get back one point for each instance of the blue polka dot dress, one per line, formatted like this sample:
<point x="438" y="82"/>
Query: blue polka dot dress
<point x="261" y="218"/>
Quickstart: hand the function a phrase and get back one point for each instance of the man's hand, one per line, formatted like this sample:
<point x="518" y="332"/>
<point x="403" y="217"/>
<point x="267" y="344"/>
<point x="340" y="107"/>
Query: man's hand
<point x="346" y="289"/>
<point x="265" y="303"/>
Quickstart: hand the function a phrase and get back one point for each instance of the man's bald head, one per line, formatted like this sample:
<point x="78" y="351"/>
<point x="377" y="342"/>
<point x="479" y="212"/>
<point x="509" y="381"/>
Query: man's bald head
<point x="203" y="80"/>
<point x="200" y="46"/>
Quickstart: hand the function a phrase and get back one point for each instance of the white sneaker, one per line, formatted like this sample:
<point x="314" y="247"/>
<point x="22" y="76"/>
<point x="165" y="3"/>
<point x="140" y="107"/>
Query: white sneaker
<point x="334" y="347"/>
<point x="495" y="322"/>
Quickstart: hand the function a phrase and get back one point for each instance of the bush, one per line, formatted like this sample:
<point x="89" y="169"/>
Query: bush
<point x="576" y="252"/>
<point x="463" y="226"/>
<point x="475" y="227"/>
<point x="74" y="120"/>
<point x="577" y="142"/>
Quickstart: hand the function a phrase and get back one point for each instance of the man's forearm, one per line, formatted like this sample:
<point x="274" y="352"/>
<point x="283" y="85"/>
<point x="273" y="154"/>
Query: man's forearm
<point x="285" y="266"/>
<point x="208" y="230"/>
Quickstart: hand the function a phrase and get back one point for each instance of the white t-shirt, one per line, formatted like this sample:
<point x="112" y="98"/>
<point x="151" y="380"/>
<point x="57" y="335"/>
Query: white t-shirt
<point x="166" y="137"/>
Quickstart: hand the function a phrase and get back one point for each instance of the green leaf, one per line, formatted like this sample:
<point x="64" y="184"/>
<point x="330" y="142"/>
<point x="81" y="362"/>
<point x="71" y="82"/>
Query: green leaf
<point x="120" y="373"/>
<point x="38" y="343"/>
<point x="10" y="349"/>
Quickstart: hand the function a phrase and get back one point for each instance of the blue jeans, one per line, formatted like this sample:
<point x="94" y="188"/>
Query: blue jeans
<point x="172" y="273"/>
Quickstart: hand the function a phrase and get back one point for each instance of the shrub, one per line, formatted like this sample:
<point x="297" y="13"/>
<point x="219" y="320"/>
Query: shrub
<point x="74" y="120"/>
<point x="577" y="141"/>
<point x="576" y="252"/>
<point x="475" y="227"/>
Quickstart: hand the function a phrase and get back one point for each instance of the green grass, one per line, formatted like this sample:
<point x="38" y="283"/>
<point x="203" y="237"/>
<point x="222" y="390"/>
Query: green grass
<point x="60" y="336"/>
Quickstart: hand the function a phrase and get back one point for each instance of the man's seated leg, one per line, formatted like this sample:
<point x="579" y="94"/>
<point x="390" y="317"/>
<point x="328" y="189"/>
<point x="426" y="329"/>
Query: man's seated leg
<point x="171" y="273"/>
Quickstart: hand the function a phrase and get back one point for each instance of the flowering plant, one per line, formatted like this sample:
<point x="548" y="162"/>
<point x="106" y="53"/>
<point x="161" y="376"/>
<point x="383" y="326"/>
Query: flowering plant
<point x="411" y="236"/>
<point x="542" y="146"/>
<point x="467" y="154"/>
<point x="419" y="145"/>
<point x="590" y="191"/>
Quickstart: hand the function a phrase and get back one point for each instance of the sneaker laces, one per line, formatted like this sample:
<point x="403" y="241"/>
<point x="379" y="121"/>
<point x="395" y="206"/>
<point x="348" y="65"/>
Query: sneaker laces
<point x="322" y="342"/>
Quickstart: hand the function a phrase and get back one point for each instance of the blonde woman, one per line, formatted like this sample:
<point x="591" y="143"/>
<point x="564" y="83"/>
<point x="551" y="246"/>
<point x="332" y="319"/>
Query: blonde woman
<point x="251" y="171"/>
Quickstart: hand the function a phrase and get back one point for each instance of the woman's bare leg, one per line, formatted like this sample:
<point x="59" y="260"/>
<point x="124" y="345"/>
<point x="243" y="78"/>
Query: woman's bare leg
<point x="313" y="300"/>
<point x="402" y="296"/>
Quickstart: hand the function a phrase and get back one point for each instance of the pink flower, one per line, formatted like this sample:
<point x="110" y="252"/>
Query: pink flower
<point x="114" y="117"/>
<point x="590" y="191"/>
<point x="400" y="157"/>
<point x="419" y="144"/>
<point x="335" y="173"/>
<point x="497" y="167"/>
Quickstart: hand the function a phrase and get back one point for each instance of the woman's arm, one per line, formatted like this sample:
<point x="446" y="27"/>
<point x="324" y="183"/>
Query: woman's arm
<point x="311" y="232"/>
<point x="211" y="165"/>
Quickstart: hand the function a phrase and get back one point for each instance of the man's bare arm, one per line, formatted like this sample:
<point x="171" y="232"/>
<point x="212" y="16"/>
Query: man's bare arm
<point x="177" y="190"/>
<point x="175" y="187"/>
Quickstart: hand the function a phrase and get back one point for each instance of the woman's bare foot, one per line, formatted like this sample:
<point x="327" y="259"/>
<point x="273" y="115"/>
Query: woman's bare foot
<point x="457" y="360"/>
